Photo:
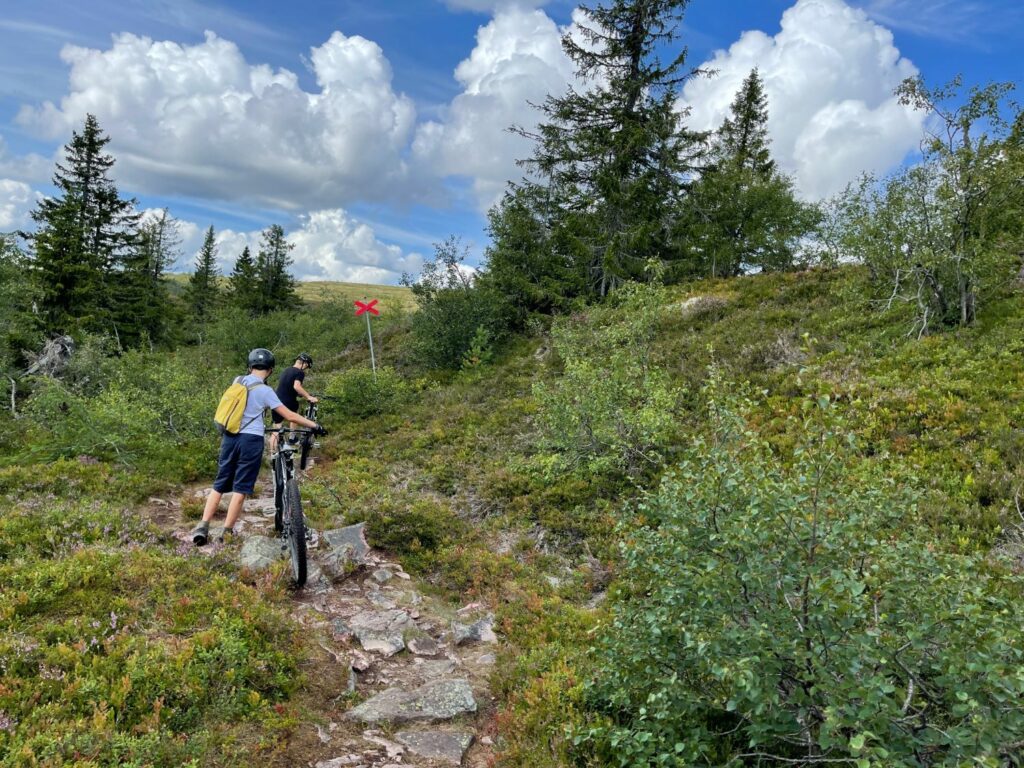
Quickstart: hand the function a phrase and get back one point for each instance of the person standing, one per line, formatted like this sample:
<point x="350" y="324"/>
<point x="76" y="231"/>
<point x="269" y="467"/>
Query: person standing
<point x="241" y="454"/>
<point x="290" y="389"/>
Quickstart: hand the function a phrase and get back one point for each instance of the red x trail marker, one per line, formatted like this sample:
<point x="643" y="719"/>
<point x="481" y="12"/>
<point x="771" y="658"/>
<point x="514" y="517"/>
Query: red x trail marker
<point x="362" y="308"/>
<point x="369" y="308"/>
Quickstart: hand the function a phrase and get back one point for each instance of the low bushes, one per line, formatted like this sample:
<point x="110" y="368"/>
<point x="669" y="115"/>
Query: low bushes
<point x="790" y="610"/>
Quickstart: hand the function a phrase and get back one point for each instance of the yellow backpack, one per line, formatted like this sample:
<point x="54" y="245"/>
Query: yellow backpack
<point x="228" y="417"/>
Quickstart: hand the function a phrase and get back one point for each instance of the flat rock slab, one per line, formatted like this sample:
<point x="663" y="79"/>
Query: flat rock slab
<point x="382" y="631"/>
<point x="341" y="762"/>
<point x="433" y="702"/>
<point x="432" y="669"/>
<point x="261" y="505"/>
<point x="260" y="552"/>
<point x="448" y="747"/>
<point x="423" y="645"/>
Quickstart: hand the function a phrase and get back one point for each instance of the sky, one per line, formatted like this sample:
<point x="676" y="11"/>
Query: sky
<point x="372" y="130"/>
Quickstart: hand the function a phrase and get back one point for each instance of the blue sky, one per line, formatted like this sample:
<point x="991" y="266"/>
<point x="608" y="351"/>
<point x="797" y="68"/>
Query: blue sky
<point x="369" y="148"/>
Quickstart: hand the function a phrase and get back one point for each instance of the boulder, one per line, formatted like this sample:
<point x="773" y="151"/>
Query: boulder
<point x="448" y="747"/>
<point x="352" y="537"/>
<point x="260" y="552"/>
<point x="479" y="631"/>
<point x="433" y="702"/>
<point x="347" y="550"/>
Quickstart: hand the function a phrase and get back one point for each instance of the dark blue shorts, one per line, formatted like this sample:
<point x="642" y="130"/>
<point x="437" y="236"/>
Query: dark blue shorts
<point x="239" y="463"/>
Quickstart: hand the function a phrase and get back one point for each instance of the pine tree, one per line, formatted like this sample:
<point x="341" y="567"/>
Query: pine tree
<point x="143" y="310"/>
<point x="243" y="287"/>
<point x="85" y="232"/>
<point x="275" y="285"/>
<point x="611" y="159"/>
<point x="203" y="293"/>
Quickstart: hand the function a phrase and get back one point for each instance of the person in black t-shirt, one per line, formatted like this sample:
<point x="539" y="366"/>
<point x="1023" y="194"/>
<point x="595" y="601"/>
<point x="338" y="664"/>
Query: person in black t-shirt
<point x="289" y="389"/>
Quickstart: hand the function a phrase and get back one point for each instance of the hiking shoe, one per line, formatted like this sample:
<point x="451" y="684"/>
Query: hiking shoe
<point x="226" y="535"/>
<point x="201" y="533"/>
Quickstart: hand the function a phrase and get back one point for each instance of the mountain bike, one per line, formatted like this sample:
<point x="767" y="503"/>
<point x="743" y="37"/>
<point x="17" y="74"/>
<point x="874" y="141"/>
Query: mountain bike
<point x="288" y="519"/>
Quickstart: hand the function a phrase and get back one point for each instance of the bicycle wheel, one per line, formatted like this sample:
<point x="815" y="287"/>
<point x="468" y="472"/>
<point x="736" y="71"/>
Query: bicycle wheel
<point x="296" y="532"/>
<point x="278" y="492"/>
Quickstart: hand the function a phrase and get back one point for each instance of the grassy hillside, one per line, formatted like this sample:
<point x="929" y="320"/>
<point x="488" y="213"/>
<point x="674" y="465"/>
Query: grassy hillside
<point x="318" y="291"/>
<point x="462" y="478"/>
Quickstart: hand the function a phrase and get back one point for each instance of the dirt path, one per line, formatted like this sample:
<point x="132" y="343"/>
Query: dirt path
<point x="397" y="677"/>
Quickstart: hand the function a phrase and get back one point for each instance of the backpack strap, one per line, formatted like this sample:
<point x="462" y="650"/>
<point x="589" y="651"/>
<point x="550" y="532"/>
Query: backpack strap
<point x="250" y="388"/>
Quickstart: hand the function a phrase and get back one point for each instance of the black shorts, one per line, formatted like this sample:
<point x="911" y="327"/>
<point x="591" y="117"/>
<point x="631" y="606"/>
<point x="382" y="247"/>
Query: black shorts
<point x="239" y="463"/>
<point x="278" y="418"/>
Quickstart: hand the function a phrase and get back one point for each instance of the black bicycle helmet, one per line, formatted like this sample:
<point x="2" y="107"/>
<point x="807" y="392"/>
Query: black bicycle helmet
<point x="261" y="358"/>
<point x="305" y="358"/>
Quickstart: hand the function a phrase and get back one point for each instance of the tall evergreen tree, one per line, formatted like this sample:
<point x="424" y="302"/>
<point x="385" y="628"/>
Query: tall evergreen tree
<point x="143" y="307"/>
<point x="743" y="138"/>
<point x="275" y="285"/>
<point x="203" y="292"/>
<point x="19" y="320"/>
<point x="84" y="234"/>
<point x="612" y="158"/>
<point x="742" y="214"/>
<point x="244" y="291"/>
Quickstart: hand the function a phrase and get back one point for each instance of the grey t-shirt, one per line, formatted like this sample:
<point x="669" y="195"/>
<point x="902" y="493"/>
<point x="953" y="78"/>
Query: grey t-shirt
<point x="260" y="399"/>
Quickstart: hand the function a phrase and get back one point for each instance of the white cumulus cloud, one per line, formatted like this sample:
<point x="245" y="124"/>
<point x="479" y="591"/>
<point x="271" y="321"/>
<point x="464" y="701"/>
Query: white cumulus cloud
<point x="518" y="59"/>
<point x="199" y="120"/>
<point x="17" y="199"/>
<point x="330" y="244"/>
<point x="829" y="76"/>
<point x="32" y="168"/>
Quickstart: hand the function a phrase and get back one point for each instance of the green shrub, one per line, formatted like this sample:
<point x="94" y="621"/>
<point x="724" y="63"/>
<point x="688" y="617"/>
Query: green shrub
<point x="358" y="393"/>
<point x="789" y="611"/>
<point x="143" y="409"/>
<point x="458" y="317"/>
<point x="114" y="656"/>
<point x="422" y="527"/>
<point x="613" y="408"/>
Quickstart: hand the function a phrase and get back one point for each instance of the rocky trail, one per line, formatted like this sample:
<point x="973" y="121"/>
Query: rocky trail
<point x="403" y="676"/>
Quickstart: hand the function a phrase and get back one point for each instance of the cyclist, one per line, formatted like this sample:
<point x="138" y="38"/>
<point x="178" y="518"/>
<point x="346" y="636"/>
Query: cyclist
<point x="242" y="454"/>
<point x="289" y="389"/>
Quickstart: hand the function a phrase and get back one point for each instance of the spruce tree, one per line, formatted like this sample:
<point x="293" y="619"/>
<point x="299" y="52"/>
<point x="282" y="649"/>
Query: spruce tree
<point x="611" y="159"/>
<point x="19" y="321"/>
<point x="143" y="310"/>
<point x="243" y="288"/>
<point x="203" y="293"/>
<point x="742" y="214"/>
<point x="743" y="138"/>
<point x="85" y="232"/>
<point x="275" y="285"/>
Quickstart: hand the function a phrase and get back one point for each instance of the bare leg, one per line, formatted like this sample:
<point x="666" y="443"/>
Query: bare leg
<point x="212" y="502"/>
<point x="234" y="509"/>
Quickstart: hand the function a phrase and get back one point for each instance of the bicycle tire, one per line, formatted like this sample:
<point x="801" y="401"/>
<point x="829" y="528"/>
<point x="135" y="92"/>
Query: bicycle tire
<point x="278" y="493"/>
<point x="296" y="532"/>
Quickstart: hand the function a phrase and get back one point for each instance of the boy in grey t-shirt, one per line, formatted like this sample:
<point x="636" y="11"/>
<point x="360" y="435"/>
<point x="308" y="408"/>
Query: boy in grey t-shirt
<point x="241" y="455"/>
